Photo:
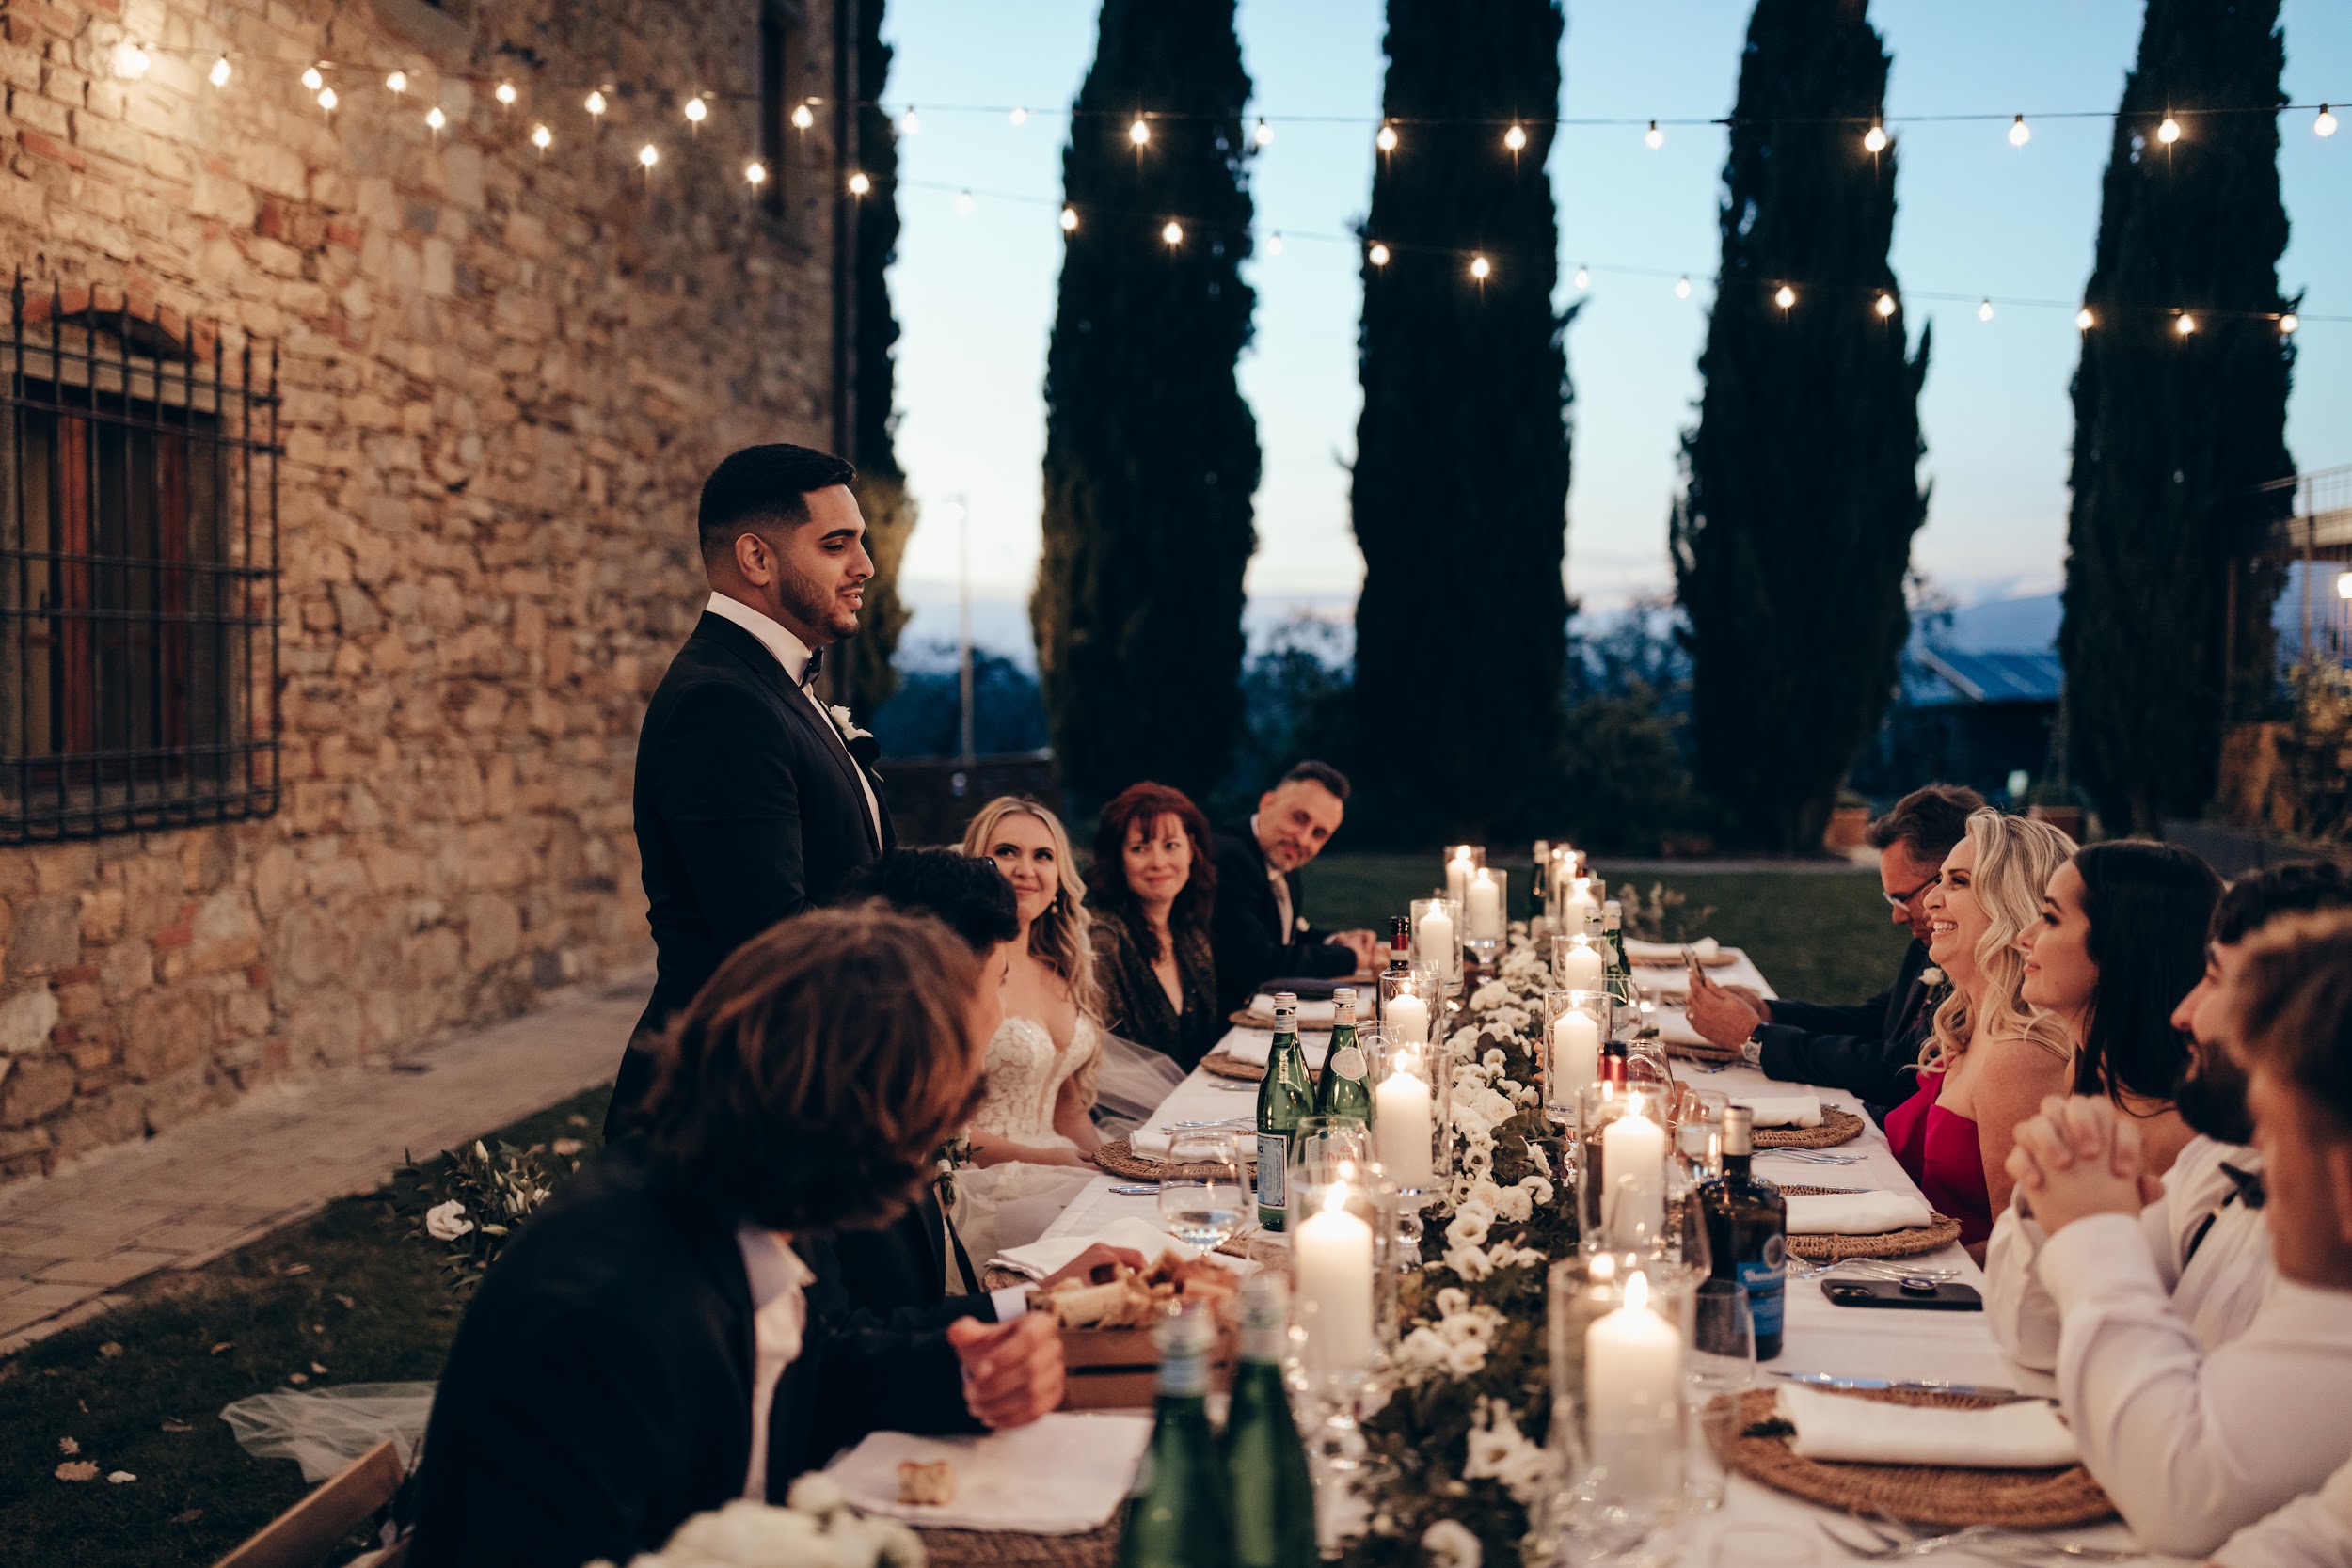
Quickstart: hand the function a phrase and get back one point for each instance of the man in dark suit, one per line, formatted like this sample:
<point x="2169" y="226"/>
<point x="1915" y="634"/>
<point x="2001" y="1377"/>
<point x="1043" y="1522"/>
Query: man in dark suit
<point x="752" y="799"/>
<point x="1869" y="1050"/>
<point x="1260" y="929"/>
<point x="649" y="1346"/>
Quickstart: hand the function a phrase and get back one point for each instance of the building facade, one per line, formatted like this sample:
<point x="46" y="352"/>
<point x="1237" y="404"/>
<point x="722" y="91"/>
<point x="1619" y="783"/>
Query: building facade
<point x="346" y="505"/>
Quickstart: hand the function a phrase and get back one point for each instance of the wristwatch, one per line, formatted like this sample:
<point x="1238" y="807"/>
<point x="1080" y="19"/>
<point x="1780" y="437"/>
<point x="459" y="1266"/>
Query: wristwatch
<point x="1752" y="1048"/>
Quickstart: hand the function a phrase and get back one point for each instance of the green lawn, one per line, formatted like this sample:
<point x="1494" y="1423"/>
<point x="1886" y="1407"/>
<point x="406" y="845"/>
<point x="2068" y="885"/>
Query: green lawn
<point x="352" y="1291"/>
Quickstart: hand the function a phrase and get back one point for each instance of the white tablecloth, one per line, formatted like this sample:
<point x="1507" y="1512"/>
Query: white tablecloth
<point x="1843" y="1341"/>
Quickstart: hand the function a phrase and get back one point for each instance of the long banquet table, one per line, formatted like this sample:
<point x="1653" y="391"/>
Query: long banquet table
<point x="1757" y="1524"/>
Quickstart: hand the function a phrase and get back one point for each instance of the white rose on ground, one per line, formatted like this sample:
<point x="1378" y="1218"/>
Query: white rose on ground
<point x="446" y="1222"/>
<point x="1451" y="1544"/>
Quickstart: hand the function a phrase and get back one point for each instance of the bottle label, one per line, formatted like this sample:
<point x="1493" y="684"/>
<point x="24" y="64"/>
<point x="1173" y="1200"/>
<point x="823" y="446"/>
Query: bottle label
<point x="1348" y="1062"/>
<point x="1273" y="1153"/>
<point x="1185" y="1375"/>
<point x="1766" y="1284"/>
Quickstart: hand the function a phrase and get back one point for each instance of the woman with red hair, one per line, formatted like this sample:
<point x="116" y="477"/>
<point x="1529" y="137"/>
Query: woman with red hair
<point x="1154" y="889"/>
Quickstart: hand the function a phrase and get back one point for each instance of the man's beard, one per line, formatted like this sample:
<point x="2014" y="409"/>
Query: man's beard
<point x="810" y="601"/>
<point x="2212" y="1098"/>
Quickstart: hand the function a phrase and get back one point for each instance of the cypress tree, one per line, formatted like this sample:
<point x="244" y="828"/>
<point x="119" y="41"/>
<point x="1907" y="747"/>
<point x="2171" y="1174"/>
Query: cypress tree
<point x="1461" y="478"/>
<point x="1150" y="454"/>
<point x="1799" y="493"/>
<point x="881" y="487"/>
<point x="2172" y="432"/>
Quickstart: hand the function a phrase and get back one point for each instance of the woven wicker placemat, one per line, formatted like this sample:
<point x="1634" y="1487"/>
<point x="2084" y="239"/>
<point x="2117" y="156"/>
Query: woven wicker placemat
<point x="1838" y="1127"/>
<point x="1709" y="1053"/>
<point x="1910" y="1241"/>
<point x="1119" y="1157"/>
<point x="973" y="1548"/>
<point x="1217" y="1064"/>
<point x="1250" y="1019"/>
<point x="1928" y="1495"/>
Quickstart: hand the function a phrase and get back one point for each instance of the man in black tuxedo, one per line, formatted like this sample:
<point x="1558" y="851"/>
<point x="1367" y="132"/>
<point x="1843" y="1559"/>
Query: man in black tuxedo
<point x="752" y="799"/>
<point x="1260" y="929"/>
<point x="1870" y="1050"/>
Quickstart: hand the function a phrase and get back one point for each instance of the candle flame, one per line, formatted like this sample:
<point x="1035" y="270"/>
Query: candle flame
<point x="1336" y="1198"/>
<point x="1636" y="1292"/>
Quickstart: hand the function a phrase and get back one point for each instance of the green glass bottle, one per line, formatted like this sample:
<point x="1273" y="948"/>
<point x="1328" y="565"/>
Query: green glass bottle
<point x="1619" y="973"/>
<point x="1284" y="1095"/>
<point x="1345" y="1089"/>
<point x="1176" y="1515"/>
<point x="1266" y="1464"/>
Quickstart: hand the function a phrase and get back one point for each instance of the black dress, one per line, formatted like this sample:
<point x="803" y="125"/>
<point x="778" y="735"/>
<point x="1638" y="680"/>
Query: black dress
<point x="1135" y="1005"/>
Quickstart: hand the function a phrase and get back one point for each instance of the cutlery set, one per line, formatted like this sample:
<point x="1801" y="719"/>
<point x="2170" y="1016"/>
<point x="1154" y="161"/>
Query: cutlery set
<point x="1889" y="1540"/>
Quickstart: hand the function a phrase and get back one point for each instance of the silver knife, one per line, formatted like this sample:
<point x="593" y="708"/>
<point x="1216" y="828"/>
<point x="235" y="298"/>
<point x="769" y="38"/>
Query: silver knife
<point x="1824" y="1380"/>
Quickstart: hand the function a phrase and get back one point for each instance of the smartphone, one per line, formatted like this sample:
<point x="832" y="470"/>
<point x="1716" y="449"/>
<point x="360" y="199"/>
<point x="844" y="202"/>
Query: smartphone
<point x="1923" y="1296"/>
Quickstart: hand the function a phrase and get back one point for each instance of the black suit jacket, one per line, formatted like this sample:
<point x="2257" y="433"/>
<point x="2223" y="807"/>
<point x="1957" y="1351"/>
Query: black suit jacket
<point x="598" y="1391"/>
<point x="897" y="1278"/>
<point x="1870" y="1050"/>
<point x="1246" y="927"/>
<point x="749" y="810"/>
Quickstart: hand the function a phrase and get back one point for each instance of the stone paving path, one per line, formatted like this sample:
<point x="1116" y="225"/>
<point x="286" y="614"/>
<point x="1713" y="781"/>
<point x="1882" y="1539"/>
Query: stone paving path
<point x="70" y="1243"/>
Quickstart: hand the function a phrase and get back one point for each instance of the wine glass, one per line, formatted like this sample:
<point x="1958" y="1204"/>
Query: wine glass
<point x="1203" y="1195"/>
<point x="1721" y="1369"/>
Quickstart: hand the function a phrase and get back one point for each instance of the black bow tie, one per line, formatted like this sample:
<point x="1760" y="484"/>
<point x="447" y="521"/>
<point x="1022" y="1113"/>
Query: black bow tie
<point x="2248" y="1184"/>
<point x="808" y="674"/>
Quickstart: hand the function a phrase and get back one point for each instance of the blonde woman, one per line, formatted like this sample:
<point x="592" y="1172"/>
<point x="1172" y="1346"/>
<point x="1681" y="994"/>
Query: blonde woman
<point x="1992" y="1057"/>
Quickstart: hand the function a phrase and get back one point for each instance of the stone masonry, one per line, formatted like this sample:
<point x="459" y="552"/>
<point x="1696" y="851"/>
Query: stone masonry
<point x="504" y="375"/>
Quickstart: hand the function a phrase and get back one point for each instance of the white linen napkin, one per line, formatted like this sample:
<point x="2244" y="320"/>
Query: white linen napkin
<point x="1063" y="1475"/>
<point x="1663" y="955"/>
<point x="1854" y="1213"/>
<point x="1042" y="1257"/>
<point x="2027" y="1435"/>
<point x="1783" y="1110"/>
<point x="1311" y="1015"/>
<point x="1255" y="1045"/>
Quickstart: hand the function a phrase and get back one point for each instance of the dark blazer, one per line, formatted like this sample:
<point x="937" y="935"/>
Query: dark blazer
<point x="896" y="1276"/>
<point x="1872" y="1050"/>
<point x="748" y="810"/>
<point x="1247" y="931"/>
<point x="1135" y="1006"/>
<point x="598" y="1391"/>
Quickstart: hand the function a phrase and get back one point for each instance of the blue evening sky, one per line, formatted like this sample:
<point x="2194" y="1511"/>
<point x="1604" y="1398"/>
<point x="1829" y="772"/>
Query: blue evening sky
<point x="974" y="292"/>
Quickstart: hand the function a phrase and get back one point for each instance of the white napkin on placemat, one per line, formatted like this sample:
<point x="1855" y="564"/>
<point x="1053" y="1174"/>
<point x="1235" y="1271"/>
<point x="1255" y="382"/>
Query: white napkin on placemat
<point x="1255" y="1045"/>
<point x="1311" y="1015"/>
<point x="1661" y="954"/>
<point x="1854" y="1213"/>
<point x="1063" y="1475"/>
<point x="2027" y="1435"/>
<point x="1154" y="1143"/>
<point x="1041" y="1258"/>
<point x="1783" y="1110"/>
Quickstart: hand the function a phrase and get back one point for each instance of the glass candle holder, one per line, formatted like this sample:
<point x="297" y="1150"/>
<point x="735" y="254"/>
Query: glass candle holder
<point x="1623" y="1141"/>
<point x="1578" y="964"/>
<point x="1412" y="1103"/>
<point x="1574" y="1024"/>
<point x="1579" y="910"/>
<point x="1620" y="1335"/>
<point x="1460" y="861"/>
<point x="1437" y="936"/>
<point x="1410" y="1003"/>
<point x="1486" y="914"/>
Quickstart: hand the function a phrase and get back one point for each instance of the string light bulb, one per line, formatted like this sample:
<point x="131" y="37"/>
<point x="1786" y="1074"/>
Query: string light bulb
<point x="2085" y="320"/>
<point x="1682" y="286"/>
<point x="1885" y="306"/>
<point x="2184" y="324"/>
<point x="2168" y="131"/>
<point x="802" y="117"/>
<point x="1583" y="278"/>
<point x="311" y="79"/>
<point x="1070" y="220"/>
<point x="505" y="94"/>
<point x="1480" y="268"/>
<point x="435" y="120"/>
<point x="648" y="156"/>
<point x="2289" y="322"/>
<point x="1386" y="140"/>
<point x="756" y="173"/>
<point x="220" y="72"/>
<point x="2344" y="586"/>
<point x="1378" y="255"/>
<point x="963" y="204"/>
<point x="1514" y="138"/>
<point x="2019" y="135"/>
<point x="1137" y="131"/>
<point x="696" y="111"/>
<point x="1784" y="297"/>
<point x="541" y="138"/>
<point x="859" y="183"/>
<point x="397" y="82"/>
<point x="1019" y="116"/>
<point x="1263" y="133"/>
<point x="2326" y="124"/>
<point x="1172" y="234"/>
<point x="327" y="99"/>
<point x="132" y="61"/>
<point x="1274" y="243"/>
<point x="596" y="102"/>
<point x="1985" y="309"/>
<point x="1874" y="139"/>
<point x="1654" y="137"/>
<point x="910" y="123"/>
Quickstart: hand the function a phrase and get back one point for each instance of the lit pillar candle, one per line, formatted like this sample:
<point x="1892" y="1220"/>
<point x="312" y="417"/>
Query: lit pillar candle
<point x="1485" y="911"/>
<point x="1401" y="1117"/>
<point x="1632" y="1396"/>
<point x="1633" y="1160"/>
<point x="1334" y="1255"/>
<point x="1581" y="968"/>
<point x="1582" y="908"/>
<point x="1437" y="940"/>
<point x="1457" y="875"/>
<point x="1574" y="1054"/>
<point x="1408" y="1016"/>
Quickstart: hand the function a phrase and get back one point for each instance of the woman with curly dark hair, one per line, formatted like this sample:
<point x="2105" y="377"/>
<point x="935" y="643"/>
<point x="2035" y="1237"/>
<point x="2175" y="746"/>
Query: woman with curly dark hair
<point x="1154" y="891"/>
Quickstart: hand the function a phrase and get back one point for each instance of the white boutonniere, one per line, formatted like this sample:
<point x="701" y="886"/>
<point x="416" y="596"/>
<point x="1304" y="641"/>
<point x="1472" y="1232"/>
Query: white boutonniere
<point x="846" y="725"/>
<point x="1930" y="978"/>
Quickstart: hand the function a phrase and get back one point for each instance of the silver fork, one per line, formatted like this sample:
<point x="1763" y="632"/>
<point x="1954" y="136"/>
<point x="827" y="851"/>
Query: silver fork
<point x="1881" y="1268"/>
<point x="1896" y="1538"/>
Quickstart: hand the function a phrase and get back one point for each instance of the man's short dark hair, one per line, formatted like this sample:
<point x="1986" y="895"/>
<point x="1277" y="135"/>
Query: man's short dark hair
<point x="2294" y="996"/>
<point x="966" y="892"/>
<point x="2259" y="897"/>
<point x="1323" y="773"/>
<point x="1928" y="821"/>
<point x="764" y="484"/>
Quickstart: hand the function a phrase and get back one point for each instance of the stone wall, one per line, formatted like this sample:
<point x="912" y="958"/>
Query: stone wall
<point x="504" y="375"/>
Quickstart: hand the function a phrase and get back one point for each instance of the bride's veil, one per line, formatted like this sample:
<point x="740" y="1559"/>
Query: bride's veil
<point x="1133" y="1083"/>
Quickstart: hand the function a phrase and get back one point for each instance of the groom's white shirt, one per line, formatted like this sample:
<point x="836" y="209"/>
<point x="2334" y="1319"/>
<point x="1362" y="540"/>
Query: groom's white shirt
<point x="792" y="653"/>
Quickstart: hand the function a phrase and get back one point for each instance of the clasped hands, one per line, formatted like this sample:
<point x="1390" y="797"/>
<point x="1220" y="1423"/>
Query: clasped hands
<point x="1012" y="1371"/>
<point x="2080" y="1156"/>
<point x="1721" y="1015"/>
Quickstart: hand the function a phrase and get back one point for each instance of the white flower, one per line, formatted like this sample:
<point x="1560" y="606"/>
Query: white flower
<point x="1538" y="1188"/>
<point x="1465" y="1357"/>
<point x="1451" y="1544"/>
<point x="816" y="1493"/>
<point x="1499" y="1450"/>
<point x="1453" y="1302"/>
<point x="847" y="725"/>
<point x="1931" y="976"/>
<point x="481" y="1153"/>
<point x="1470" y="1226"/>
<point x="446" y="1222"/>
<point x="1494" y="993"/>
<point x="1515" y="1206"/>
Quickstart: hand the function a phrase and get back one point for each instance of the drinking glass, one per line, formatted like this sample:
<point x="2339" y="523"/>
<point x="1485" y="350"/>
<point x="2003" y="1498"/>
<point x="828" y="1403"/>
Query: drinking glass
<point x="1721" y="1369"/>
<point x="1204" y="1196"/>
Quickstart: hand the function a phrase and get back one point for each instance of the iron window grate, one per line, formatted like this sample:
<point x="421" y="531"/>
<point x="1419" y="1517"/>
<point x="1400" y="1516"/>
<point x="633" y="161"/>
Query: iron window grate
<point x="139" y="570"/>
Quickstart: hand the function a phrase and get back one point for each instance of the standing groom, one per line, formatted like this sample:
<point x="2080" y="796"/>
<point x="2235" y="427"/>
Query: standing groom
<point x="751" y="803"/>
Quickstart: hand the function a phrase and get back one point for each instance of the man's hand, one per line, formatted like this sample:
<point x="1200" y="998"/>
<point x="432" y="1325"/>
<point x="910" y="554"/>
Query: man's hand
<point x="1719" y="1016"/>
<point x="1093" y="1265"/>
<point x="1012" y="1372"/>
<point x="2078" y="1157"/>
<point x="1363" y="945"/>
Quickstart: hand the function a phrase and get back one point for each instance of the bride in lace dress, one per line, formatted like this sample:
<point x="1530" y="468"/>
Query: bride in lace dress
<point x="1033" y="1133"/>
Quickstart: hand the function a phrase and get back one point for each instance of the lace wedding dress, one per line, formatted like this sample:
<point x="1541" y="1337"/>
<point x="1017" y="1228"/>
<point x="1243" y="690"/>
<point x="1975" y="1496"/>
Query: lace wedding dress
<point x="1010" y="1205"/>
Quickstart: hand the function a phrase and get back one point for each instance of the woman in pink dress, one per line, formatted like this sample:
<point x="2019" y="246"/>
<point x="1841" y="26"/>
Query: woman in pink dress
<point x="1992" y="1057"/>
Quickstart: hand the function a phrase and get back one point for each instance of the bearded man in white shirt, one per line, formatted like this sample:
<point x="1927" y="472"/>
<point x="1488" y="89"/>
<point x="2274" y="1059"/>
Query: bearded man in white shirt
<point x="2191" y="1444"/>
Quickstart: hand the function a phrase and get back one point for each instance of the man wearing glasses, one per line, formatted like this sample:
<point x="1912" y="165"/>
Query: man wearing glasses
<point x="1868" y="1049"/>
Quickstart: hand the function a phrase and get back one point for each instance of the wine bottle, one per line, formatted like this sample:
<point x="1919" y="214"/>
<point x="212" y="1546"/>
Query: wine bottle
<point x="1284" y="1095"/>
<point x="1539" y="884"/>
<point x="1345" y="1089"/>
<point x="1619" y="974"/>
<point x="1400" y="946"/>
<point x="1266" y="1464"/>
<point x="1747" y="1230"/>
<point x="1612" y="1068"/>
<point x="1176" y="1515"/>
